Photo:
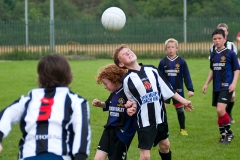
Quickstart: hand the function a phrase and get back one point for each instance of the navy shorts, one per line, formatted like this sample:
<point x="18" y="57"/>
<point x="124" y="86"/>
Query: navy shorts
<point x="151" y="135"/>
<point x="221" y="97"/>
<point x="45" y="156"/>
<point x="112" y="145"/>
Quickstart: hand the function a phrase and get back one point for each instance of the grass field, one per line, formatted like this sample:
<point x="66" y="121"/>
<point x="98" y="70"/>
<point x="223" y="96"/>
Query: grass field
<point x="18" y="77"/>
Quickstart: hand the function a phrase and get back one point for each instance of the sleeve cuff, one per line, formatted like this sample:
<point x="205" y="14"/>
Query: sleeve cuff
<point x="1" y="136"/>
<point x="80" y="156"/>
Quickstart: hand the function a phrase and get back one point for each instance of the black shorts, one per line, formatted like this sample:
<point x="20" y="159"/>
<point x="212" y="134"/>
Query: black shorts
<point x="151" y="135"/>
<point x="112" y="145"/>
<point x="221" y="97"/>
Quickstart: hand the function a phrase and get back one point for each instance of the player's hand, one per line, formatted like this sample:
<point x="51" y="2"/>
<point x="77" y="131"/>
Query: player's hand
<point x="128" y="104"/>
<point x="232" y="88"/>
<point x="131" y="110"/>
<point x="188" y="107"/>
<point x="190" y="94"/>
<point x="1" y="148"/>
<point x="96" y="102"/>
<point x="204" y="89"/>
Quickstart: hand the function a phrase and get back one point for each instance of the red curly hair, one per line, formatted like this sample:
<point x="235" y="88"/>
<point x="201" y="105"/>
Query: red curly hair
<point x="111" y="72"/>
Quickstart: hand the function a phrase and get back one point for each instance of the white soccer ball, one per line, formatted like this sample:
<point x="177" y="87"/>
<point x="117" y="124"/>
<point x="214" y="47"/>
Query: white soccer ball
<point x="113" y="19"/>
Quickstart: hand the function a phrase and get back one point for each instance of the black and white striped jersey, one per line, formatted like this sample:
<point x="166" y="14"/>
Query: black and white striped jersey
<point x="148" y="88"/>
<point x="51" y="120"/>
<point x="228" y="44"/>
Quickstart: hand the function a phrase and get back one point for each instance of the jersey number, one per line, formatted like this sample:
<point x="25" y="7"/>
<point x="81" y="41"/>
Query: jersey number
<point x="45" y="109"/>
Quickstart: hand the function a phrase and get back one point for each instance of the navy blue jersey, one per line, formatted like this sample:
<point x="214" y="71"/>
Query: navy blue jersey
<point x="125" y="125"/>
<point x="148" y="88"/>
<point x="176" y="71"/>
<point x="223" y="64"/>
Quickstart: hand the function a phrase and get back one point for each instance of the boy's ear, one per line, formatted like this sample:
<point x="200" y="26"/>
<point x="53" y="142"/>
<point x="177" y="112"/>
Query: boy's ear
<point x="121" y="65"/>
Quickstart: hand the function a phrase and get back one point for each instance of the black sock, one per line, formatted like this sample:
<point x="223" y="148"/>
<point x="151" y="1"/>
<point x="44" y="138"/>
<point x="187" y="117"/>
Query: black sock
<point x="222" y="131"/>
<point x="166" y="156"/>
<point x="229" y="108"/>
<point x="181" y="117"/>
<point x="228" y="129"/>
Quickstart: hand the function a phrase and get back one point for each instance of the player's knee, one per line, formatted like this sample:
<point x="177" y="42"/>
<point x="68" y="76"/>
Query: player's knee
<point x="179" y="110"/>
<point x="145" y="157"/>
<point x="164" y="146"/>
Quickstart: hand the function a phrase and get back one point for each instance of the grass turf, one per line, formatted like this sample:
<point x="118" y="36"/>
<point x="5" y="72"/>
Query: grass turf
<point x="18" y="77"/>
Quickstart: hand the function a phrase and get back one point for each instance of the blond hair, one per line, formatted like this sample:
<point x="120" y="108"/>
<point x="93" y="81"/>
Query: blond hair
<point x="171" y="40"/>
<point x="222" y="25"/>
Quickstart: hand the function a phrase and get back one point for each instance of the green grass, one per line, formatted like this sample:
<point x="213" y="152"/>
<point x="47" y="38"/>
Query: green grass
<point x="18" y="77"/>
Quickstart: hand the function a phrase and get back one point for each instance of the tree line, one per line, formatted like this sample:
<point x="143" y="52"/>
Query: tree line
<point x="14" y="10"/>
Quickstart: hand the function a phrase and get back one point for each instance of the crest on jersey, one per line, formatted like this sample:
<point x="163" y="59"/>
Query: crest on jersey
<point x="177" y="66"/>
<point x="121" y="102"/>
<point x="147" y="85"/>
<point x="223" y="59"/>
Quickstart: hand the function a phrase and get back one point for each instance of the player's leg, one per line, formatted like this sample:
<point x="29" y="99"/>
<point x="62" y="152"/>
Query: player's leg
<point x="144" y="154"/>
<point x="223" y="99"/>
<point x="181" y="117"/>
<point x="118" y="149"/>
<point x="163" y="141"/>
<point x="230" y="107"/>
<point x="103" y="146"/>
<point x="146" y="137"/>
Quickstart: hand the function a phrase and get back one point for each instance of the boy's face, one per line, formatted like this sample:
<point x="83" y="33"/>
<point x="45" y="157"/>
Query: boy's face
<point x="218" y="41"/>
<point x="225" y="30"/>
<point x="171" y="49"/>
<point x="126" y="57"/>
<point x="109" y="85"/>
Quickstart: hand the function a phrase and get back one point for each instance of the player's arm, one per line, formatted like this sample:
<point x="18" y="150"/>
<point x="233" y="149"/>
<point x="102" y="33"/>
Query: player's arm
<point x="98" y="103"/>
<point x="210" y="76"/>
<point x="232" y="87"/>
<point x="82" y="130"/>
<point x="187" y="79"/>
<point x="187" y="104"/>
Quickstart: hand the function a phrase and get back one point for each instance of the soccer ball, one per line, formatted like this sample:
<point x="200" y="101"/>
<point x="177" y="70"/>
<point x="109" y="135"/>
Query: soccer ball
<point x="113" y="19"/>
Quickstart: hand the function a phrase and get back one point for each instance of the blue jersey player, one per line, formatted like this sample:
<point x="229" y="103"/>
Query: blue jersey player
<point x="224" y="71"/>
<point x="120" y="128"/>
<point x="175" y="69"/>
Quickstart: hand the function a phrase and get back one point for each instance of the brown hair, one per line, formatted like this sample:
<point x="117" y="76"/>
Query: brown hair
<point x="115" y="55"/>
<point x="111" y="72"/>
<point x="53" y="71"/>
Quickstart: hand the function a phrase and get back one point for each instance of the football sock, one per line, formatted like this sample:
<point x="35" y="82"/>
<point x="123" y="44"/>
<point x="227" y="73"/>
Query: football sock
<point x="229" y="108"/>
<point x="225" y="119"/>
<point x="166" y="156"/>
<point x="181" y="117"/>
<point x="228" y="129"/>
<point x="222" y="121"/>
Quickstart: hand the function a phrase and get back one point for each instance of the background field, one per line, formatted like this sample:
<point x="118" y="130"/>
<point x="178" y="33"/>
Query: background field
<point x="18" y="77"/>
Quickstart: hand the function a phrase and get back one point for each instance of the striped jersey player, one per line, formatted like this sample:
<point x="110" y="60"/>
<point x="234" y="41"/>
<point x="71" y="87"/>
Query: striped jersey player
<point x="55" y="122"/>
<point x="147" y="88"/>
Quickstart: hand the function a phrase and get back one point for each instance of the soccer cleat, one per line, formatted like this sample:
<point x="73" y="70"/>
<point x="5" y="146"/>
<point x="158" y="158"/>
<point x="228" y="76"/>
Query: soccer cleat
<point x="224" y="140"/>
<point x="232" y="121"/>
<point x="230" y="137"/>
<point x="183" y="132"/>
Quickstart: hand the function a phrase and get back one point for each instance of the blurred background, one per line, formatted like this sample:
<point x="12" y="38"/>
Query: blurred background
<point x="28" y="30"/>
